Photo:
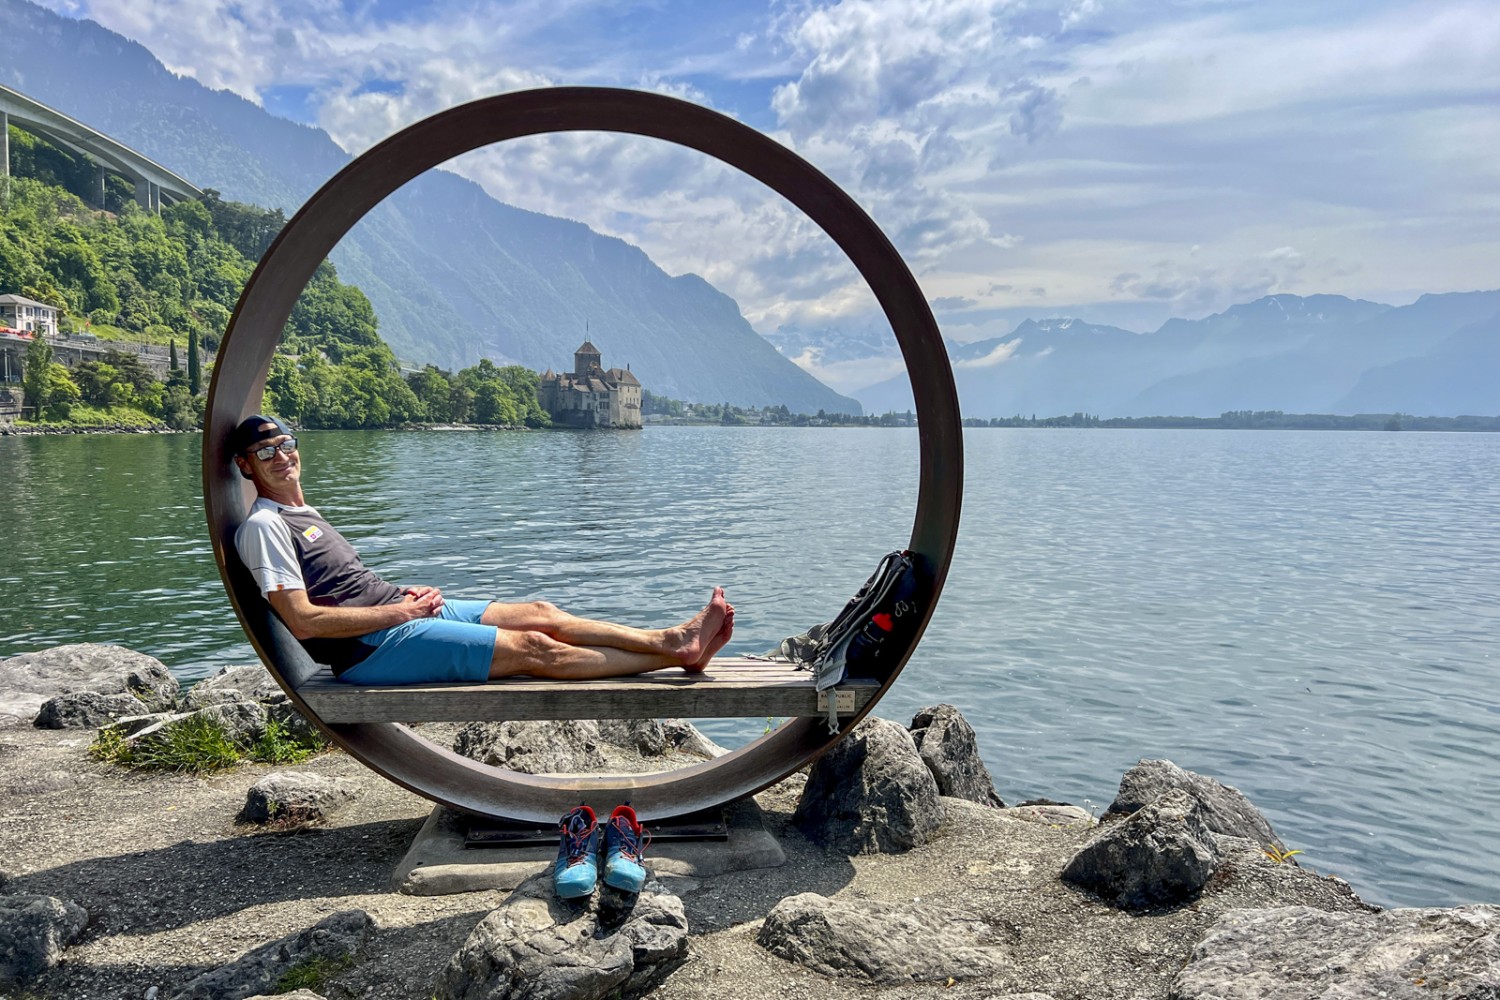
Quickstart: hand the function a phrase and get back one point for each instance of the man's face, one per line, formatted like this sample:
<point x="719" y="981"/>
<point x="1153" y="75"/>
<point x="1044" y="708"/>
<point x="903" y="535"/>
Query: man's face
<point x="272" y="474"/>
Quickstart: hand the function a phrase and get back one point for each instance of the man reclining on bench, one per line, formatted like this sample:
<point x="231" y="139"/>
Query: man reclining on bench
<point x="374" y="632"/>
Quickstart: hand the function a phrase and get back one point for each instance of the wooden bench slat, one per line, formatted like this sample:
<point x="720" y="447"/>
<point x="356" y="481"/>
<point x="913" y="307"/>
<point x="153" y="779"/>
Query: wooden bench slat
<point x="730" y="688"/>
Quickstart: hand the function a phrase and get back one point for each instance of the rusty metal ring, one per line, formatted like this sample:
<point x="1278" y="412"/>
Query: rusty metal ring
<point x="244" y="361"/>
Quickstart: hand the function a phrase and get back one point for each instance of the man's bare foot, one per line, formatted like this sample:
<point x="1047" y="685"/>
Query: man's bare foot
<point x="719" y="642"/>
<point x="689" y="641"/>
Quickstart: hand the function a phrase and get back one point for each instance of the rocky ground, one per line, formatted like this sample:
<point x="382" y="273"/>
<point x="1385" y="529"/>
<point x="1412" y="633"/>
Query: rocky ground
<point x="972" y="905"/>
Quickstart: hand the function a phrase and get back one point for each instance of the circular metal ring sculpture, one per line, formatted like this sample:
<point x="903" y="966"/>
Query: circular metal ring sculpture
<point x="244" y="361"/>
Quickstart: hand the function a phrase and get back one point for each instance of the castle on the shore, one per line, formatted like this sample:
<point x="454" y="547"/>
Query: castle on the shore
<point x="589" y="396"/>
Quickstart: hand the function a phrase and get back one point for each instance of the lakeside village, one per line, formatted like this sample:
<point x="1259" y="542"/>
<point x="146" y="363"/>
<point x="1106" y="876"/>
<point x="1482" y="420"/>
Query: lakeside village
<point x="83" y="376"/>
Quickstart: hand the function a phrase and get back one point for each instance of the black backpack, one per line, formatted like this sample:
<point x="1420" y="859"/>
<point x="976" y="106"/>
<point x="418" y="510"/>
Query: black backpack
<point x="864" y="637"/>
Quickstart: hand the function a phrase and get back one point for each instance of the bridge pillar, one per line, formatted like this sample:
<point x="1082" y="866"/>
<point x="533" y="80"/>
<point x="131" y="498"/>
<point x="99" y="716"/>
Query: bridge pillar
<point x="4" y="153"/>
<point x="99" y="175"/>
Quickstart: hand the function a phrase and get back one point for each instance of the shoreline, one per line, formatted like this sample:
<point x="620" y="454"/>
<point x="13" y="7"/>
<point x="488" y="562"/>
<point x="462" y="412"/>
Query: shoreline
<point x="176" y="882"/>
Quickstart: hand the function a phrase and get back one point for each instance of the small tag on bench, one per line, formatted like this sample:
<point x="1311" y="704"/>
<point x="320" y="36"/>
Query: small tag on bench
<point x="843" y="701"/>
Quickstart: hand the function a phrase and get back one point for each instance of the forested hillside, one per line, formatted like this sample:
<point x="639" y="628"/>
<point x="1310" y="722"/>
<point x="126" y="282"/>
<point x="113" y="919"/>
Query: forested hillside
<point x="123" y="274"/>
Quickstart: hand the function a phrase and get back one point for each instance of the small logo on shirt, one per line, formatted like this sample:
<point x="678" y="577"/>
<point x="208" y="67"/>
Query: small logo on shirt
<point x="312" y="533"/>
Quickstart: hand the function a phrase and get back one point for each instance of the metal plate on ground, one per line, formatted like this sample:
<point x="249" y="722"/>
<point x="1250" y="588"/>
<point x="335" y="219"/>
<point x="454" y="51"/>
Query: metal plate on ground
<point x="710" y="824"/>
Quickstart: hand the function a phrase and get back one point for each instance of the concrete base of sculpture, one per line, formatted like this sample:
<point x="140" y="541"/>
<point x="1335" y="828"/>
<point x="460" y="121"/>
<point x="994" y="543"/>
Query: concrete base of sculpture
<point x="438" y="863"/>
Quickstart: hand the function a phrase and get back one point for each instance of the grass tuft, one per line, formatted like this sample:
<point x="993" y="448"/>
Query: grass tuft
<point x="197" y="745"/>
<point x="193" y="746"/>
<point x="280" y="745"/>
<point x="311" y="974"/>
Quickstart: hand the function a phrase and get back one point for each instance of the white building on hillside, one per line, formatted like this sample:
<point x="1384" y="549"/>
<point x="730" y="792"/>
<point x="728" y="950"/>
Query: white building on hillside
<point x="21" y="313"/>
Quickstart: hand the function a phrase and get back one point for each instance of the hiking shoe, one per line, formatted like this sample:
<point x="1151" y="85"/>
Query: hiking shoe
<point x="577" y="867"/>
<point x="625" y="843"/>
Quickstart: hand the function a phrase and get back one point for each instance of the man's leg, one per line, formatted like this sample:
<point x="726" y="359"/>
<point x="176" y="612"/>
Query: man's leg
<point x="686" y="644"/>
<point x="536" y="654"/>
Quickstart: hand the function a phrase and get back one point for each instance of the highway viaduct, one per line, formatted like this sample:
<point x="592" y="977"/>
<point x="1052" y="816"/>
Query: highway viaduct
<point x="154" y="184"/>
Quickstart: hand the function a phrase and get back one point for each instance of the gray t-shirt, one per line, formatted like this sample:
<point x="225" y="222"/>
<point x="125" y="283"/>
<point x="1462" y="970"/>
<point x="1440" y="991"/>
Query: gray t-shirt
<point x="294" y="548"/>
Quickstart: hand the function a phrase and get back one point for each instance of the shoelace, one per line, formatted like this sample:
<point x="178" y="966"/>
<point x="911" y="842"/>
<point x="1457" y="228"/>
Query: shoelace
<point x="632" y="844"/>
<point x="578" y="839"/>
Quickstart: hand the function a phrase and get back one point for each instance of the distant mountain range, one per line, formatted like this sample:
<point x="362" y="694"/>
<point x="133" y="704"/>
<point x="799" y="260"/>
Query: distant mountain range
<point x="454" y="275"/>
<point x="1439" y="356"/>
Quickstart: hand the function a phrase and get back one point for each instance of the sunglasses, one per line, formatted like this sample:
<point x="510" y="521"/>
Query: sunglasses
<point x="286" y="448"/>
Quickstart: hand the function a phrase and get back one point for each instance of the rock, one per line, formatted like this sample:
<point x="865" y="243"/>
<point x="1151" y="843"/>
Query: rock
<point x="566" y="747"/>
<point x="294" y="995"/>
<point x="646" y="737"/>
<point x="871" y="793"/>
<point x="683" y="735"/>
<point x="28" y="680"/>
<point x="1297" y="951"/>
<point x="1049" y="814"/>
<point x="947" y="743"/>
<point x="34" y="930"/>
<point x="336" y="937"/>
<point x="247" y="683"/>
<point x="537" y="947"/>
<point x="1225" y="809"/>
<point x="293" y="723"/>
<point x="244" y="722"/>
<point x="1163" y="853"/>
<point x="85" y="710"/>
<point x="295" y="797"/>
<point x="879" y="942"/>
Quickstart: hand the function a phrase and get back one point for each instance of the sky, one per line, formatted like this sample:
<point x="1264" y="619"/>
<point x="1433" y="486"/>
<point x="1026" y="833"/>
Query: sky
<point x="1119" y="161"/>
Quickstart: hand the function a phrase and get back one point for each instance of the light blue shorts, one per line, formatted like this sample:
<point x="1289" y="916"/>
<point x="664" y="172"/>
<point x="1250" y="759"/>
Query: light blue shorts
<point x="453" y="646"/>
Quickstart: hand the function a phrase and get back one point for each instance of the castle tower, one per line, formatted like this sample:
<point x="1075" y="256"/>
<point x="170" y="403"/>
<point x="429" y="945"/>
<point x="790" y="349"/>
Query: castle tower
<point x="586" y="359"/>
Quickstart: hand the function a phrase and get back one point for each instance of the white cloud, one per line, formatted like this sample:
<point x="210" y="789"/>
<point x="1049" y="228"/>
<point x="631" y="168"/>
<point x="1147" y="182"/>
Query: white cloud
<point x="849" y="376"/>
<point x="1002" y="353"/>
<point x="1121" y="159"/>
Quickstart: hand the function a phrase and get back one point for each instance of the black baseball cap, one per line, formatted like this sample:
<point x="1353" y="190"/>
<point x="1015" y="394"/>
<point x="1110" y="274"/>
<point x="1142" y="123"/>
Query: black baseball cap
<point x="249" y="433"/>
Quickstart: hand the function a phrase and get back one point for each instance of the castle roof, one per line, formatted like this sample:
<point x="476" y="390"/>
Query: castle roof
<point x="587" y="348"/>
<point x="624" y="376"/>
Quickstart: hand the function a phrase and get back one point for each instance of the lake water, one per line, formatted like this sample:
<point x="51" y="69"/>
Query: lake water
<point x="1310" y="617"/>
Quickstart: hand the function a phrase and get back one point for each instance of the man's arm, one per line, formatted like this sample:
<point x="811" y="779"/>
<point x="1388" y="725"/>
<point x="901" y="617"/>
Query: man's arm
<point x="307" y="620"/>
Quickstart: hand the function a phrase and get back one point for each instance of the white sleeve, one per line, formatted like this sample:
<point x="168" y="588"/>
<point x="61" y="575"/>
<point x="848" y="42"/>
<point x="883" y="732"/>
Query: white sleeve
<point x="264" y="543"/>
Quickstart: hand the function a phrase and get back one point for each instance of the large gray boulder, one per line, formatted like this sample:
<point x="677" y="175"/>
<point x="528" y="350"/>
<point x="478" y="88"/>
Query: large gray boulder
<point x="871" y="793"/>
<point x="28" y="680"/>
<point x="252" y="683"/>
<point x="552" y="747"/>
<point x="34" y="930"/>
<point x="538" y="947"/>
<point x="85" y="710"/>
<point x="950" y="749"/>
<point x="879" y="942"/>
<point x="296" y="797"/>
<point x="1297" y="951"/>
<point x="241" y="683"/>
<point x="646" y="737"/>
<point x="244" y="722"/>
<point x="1225" y="810"/>
<point x="684" y="736"/>
<point x="336" y="937"/>
<point x="1163" y="853"/>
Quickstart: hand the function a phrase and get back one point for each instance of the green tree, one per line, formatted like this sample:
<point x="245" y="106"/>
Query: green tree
<point x="195" y="373"/>
<point x="434" y="390"/>
<point x="34" y="380"/>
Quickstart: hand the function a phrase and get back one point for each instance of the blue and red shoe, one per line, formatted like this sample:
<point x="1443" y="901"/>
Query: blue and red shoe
<point x="577" y="867"/>
<point x="625" y="843"/>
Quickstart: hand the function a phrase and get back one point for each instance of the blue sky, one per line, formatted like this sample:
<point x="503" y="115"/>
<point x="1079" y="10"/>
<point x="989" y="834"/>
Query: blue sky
<point x="1119" y="161"/>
